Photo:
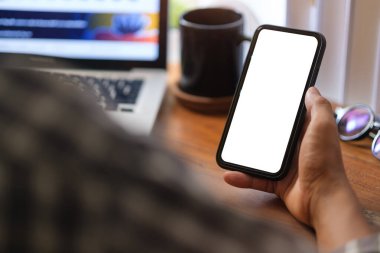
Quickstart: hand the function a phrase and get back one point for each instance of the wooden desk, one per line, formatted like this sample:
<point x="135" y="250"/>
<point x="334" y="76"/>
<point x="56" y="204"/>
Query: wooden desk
<point x="194" y="137"/>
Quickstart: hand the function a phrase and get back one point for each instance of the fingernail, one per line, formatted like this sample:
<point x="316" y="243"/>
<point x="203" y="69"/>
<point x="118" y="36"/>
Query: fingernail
<point x="314" y="91"/>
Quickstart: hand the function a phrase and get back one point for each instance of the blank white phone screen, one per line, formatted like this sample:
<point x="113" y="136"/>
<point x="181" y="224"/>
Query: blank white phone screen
<point x="271" y="94"/>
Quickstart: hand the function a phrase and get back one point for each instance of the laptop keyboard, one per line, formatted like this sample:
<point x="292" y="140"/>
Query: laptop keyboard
<point x="109" y="93"/>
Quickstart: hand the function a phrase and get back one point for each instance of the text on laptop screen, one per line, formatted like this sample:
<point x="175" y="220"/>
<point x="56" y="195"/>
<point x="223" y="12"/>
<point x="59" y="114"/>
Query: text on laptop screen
<point x="81" y="29"/>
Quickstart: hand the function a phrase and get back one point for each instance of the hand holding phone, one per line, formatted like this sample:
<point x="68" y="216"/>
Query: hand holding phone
<point x="267" y="113"/>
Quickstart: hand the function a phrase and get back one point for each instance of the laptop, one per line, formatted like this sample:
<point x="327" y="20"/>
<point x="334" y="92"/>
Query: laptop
<point x="115" y="48"/>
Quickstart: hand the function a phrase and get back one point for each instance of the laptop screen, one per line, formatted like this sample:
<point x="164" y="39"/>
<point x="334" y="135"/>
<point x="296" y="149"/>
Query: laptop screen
<point x="114" y="30"/>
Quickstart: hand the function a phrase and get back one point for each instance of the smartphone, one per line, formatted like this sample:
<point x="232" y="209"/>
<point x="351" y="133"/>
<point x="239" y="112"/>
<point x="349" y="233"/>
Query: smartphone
<point x="268" y="109"/>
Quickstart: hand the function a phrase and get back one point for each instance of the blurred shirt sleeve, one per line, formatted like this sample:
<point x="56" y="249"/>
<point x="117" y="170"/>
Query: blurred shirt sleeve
<point x="72" y="181"/>
<point x="370" y="244"/>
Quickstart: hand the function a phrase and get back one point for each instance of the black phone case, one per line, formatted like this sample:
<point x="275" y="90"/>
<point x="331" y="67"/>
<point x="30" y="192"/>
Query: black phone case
<point x="298" y="124"/>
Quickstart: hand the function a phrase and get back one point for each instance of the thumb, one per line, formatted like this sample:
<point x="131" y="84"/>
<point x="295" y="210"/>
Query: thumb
<point x="318" y="106"/>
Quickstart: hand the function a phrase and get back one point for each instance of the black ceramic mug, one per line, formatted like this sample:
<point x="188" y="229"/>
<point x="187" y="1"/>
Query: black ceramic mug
<point x="211" y="51"/>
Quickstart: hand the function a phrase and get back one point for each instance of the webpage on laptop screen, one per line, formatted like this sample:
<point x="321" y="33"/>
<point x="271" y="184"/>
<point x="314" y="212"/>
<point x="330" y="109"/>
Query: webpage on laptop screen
<point x="81" y="29"/>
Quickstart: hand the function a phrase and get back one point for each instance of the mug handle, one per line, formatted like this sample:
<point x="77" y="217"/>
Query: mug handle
<point x="244" y="38"/>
